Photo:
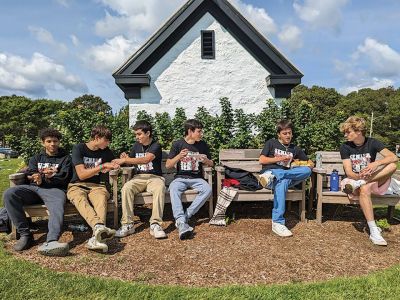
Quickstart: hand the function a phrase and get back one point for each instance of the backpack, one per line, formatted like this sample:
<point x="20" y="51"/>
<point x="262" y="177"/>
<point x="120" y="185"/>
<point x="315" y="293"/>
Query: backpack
<point x="246" y="179"/>
<point x="5" y="223"/>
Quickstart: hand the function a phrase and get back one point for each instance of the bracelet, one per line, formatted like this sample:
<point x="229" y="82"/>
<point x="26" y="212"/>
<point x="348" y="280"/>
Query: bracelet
<point x="101" y="166"/>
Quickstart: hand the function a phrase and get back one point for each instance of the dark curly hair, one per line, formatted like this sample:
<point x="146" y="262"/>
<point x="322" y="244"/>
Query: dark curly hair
<point x="49" y="132"/>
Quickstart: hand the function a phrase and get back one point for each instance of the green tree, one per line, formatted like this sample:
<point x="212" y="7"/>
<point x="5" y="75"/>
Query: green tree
<point x="93" y="103"/>
<point x="123" y="136"/>
<point x="266" y="122"/>
<point x="163" y="127"/>
<point x="243" y="131"/>
<point x="178" y="120"/>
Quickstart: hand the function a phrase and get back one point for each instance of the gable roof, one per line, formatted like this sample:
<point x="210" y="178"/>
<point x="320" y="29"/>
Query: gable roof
<point x="132" y="75"/>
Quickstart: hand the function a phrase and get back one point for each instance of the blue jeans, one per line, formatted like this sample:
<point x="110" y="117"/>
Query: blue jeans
<point x="283" y="180"/>
<point x="178" y="186"/>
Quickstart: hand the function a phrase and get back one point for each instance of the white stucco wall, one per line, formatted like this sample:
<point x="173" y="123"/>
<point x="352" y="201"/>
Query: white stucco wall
<point x="182" y="79"/>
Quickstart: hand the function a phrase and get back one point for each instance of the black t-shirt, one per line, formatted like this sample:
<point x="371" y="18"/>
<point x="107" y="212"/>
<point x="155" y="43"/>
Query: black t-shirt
<point x="361" y="156"/>
<point x="189" y="166"/>
<point x="273" y="148"/>
<point x="82" y="155"/>
<point x="153" y="167"/>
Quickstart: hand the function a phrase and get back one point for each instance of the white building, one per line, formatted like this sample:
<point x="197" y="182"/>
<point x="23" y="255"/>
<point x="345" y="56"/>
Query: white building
<point x="205" y="51"/>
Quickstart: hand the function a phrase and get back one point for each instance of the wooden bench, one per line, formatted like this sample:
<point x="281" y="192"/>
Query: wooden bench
<point x="40" y="210"/>
<point x="248" y="159"/>
<point x="169" y="175"/>
<point x="331" y="161"/>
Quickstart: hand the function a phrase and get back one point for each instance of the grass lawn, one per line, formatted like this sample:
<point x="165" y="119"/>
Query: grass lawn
<point x="25" y="280"/>
<point x="7" y="167"/>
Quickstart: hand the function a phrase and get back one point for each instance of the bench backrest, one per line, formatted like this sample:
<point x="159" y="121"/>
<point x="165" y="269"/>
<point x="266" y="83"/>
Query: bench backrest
<point x="246" y="159"/>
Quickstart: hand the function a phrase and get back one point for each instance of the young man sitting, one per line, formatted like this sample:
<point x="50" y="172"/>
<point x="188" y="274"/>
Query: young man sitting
<point x="49" y="173"/>
<point x="188" y="155"/>
<point x="365" y="174"/>
<point x="276" y="158"/>
<point x="87" y="190"/>
<point x="146" y="155"/>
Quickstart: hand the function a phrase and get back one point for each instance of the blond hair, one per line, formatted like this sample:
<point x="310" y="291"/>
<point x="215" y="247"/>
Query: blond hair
<point x="354" y="123"/>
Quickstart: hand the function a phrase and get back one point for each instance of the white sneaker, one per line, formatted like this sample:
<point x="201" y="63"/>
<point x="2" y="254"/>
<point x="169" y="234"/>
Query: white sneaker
<point x="376" y="237"/>
<point x="103" y="233"/>
<point x="125" y="230"/>
<point x="157" y="231"/>
<point x="281" y="230"/>
<point x="266" y="179"/>
<point x="351" y="185"/>
<point x="93" y="244"/>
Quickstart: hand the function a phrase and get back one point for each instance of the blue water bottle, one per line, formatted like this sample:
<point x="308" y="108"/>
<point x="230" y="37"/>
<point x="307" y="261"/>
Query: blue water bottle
<point x="334" y="181"/>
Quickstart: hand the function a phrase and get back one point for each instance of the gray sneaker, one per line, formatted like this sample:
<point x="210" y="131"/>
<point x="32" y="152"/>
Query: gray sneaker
<point x="103" y="233"/>
<point x="185" y="231"/>
<point x="54" y="248"/>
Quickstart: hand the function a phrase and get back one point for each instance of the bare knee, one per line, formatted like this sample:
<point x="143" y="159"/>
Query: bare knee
<point x="365" y="190"/>
<point x="392" y="167"/>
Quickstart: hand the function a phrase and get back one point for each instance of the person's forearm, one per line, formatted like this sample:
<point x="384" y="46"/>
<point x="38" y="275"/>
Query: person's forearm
<point x="88" y="173"/>
<point x="170" y="163"/>
<point x="137" y="160"/>
<point x="265" y="160"/>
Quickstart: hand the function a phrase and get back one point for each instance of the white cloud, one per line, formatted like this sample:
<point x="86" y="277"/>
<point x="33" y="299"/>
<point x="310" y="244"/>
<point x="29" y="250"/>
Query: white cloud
<point x="290" y="36"/>
<point x="373" y="83"/>
<point x="36" y="76"/>
<point x="74" y="40"/>
<point x="44" y="36"/>
<point x="257" y="16"/>
<point x="110" y="55"/>
<point x="373" y="65"/>
<point x="317" y="13"/>
<point x="135" y="19"/>
<point x="384" y="60"/>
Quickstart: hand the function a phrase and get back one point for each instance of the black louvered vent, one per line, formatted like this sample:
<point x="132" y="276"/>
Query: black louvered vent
<point x="207" y="44"/>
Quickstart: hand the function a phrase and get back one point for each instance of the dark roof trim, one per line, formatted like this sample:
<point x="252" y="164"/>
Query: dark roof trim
<point x="274" y="80"/>
<point x="131" y="84"/>
<point x="134" y="79"/>
<point x="283" y="84"/>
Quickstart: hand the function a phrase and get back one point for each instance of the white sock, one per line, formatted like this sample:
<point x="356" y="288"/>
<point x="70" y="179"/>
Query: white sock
<point x="360" y="182"/>
<point x="372" y="225"/>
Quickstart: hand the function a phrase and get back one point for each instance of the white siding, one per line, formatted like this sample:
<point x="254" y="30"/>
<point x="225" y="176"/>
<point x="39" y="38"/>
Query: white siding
<point x="182" y="79"/>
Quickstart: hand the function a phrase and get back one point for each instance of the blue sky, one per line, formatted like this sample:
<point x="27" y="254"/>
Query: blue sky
<point x="60" y="49"/>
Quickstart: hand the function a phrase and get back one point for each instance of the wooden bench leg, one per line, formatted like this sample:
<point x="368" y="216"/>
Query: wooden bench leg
<point x="13" y="234"/>
<point x="319" y="211"/>
<point x="390" y="212"/>
<point x="211" y="207"/>
<point x="289" y="205"/>
<point x="312" y="193"/>
<point x="302" y="206"/>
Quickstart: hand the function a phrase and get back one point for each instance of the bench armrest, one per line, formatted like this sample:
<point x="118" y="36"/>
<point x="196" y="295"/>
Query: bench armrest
<point x="220" y="169"/>
<point x="16" y="179"/>
<point x="319" y="171"/>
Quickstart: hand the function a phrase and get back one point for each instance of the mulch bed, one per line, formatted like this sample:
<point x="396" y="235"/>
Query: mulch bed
<point x="245" y="252"/>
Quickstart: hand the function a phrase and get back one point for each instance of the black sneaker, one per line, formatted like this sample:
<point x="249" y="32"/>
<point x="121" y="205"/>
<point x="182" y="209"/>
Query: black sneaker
<point x="24" y="243"/>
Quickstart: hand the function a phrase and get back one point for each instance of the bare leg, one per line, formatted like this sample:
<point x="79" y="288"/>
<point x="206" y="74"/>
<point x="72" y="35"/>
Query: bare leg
<point x="365" y="202"/>
<point x="384" y="174"/>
